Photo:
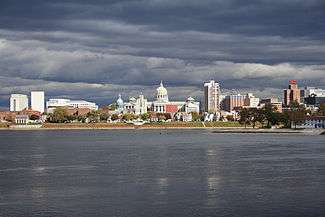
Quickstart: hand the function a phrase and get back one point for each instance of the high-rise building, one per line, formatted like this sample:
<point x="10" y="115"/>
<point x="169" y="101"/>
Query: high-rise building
<point x="211" y="96"/>
<point x="233" y="101"/>
<point x="37" y="101"/>
<point x="18" y="102"/>
<point x="291" y="94"/>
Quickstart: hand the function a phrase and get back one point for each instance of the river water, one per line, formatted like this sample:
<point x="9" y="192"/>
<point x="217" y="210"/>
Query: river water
<point x="150" y="173"/>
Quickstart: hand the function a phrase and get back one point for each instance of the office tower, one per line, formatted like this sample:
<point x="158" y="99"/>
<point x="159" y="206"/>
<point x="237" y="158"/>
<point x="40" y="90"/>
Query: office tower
<point x="211" y="96"/>
<point x="18" y="102"/>
<point x="292" y="93"/>
<point x="37" y="101"/>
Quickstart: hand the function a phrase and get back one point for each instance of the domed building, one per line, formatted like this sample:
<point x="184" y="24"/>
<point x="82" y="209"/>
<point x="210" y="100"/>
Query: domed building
<point x="163" y="105"/>
<point x="162" y="94"/>
<point x="136" y="106"/>
<point x="120" y="104"/>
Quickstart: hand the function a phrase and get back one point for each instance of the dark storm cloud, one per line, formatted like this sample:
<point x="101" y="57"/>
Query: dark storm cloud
<point x="95" y="49"/>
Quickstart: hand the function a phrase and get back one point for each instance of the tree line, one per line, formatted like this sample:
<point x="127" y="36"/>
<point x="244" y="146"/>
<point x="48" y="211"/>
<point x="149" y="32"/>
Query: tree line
<point x="268" y="116"/>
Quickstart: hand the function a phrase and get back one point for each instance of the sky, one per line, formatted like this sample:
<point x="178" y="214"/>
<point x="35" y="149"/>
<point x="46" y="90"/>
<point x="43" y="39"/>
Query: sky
<point x="96" y="49"/>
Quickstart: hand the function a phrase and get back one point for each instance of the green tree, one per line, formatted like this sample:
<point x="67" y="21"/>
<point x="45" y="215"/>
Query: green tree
<point x="114" y="117"/>
<point x="255" y="116"/>
<point x="195" y="116"/>
<point x="128" y="116"/>
<point x="245" y="116"/>
<point x="93" y="116"/>
<point x="145" y="116"/>
<point x="297" y="113"/>
<point x="103" y="116"/>
<point x="60" y="115"/>
<point x="112" y="107"/>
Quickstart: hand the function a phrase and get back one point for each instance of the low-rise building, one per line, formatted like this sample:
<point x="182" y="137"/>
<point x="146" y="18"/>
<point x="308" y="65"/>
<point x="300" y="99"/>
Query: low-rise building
<point x="22" y="119"/>
<point x="273" y="102"/>
<point x="313" y="122"/>
<point x="314" y="100"/>
<point x="52" y="104"/>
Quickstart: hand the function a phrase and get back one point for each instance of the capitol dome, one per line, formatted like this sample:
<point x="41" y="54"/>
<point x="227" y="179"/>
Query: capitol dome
<point x="162" y="94"/>
<point x="119" y="101"/>
<point x="190" y="99"/>
<point x="161" y="90"/>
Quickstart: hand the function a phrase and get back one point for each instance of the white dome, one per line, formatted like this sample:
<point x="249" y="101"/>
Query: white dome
<point x="190" y="99"/>
<point x="161" y="90"/>
<point x="119" y="101"/>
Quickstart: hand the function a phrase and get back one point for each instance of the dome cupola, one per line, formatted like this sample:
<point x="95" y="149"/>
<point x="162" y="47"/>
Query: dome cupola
<point x="162" y="94"/>
<point x="119" y="101"/>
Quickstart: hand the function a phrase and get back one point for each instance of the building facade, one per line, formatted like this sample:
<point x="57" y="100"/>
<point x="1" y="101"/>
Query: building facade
<point x="52" y="104"/>
<point x="313" y="122"/>
<point x="136" y="106"/>
<point x="273" y="102"/>
<point x="161" y="104"/>
<point x="233" y="101"/>
<point x="291" y="94"/>
<point x="251" y="101"/>
<point x="18" y="102"/>
<point x="211" y="97"/>
<point x="309" y="91"/>
<point x="37" y="101"/>
<point x="314" y="100"/>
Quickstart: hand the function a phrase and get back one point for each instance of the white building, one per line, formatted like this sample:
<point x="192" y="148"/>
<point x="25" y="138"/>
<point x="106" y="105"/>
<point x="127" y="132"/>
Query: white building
<point x="211" y="97"/>
<point x="140" y="105"/>
<point x="18" y="102"/>
<point x="22" y="119"/>
<point x="37" y="101"/>
<point x="191" y="105"/>
<point x="137" y="105"/>
<point x="309" y="91"/>
<point x="51" y="104"/>
<point x="163" y="105"/>
<point x="251" y="101"/>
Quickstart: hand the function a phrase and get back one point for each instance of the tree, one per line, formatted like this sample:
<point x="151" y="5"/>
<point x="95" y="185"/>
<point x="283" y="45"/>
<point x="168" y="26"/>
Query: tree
<point x="93" y="116"/>
<point x="297" y="113"/>
<point x="103" y="116"/>
<point x="255" y="116"/>
<point x="145" y="116"/>
<point x="112" y="107"/>
<point x="60" y="115"/>
<point x="128" y="116"/>
<point x="244" y="116"/>
<point x="34" y="117"/>
<point x="114" y="117"/>
<point x="195" y="116"/>
<point x="161" y="116"/>
<point x="322" y="109"/>
<point x="230" y="118"/>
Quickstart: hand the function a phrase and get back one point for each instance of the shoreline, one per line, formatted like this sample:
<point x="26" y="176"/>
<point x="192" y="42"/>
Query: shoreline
<point x="217" y="130"/>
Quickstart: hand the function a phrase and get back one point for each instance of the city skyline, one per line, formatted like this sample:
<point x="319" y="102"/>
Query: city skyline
<point x="201" y="98"/>
<point x="123" y="46"/>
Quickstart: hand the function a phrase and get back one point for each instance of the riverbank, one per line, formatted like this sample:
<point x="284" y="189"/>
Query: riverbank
<point x="214" y="127"/>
